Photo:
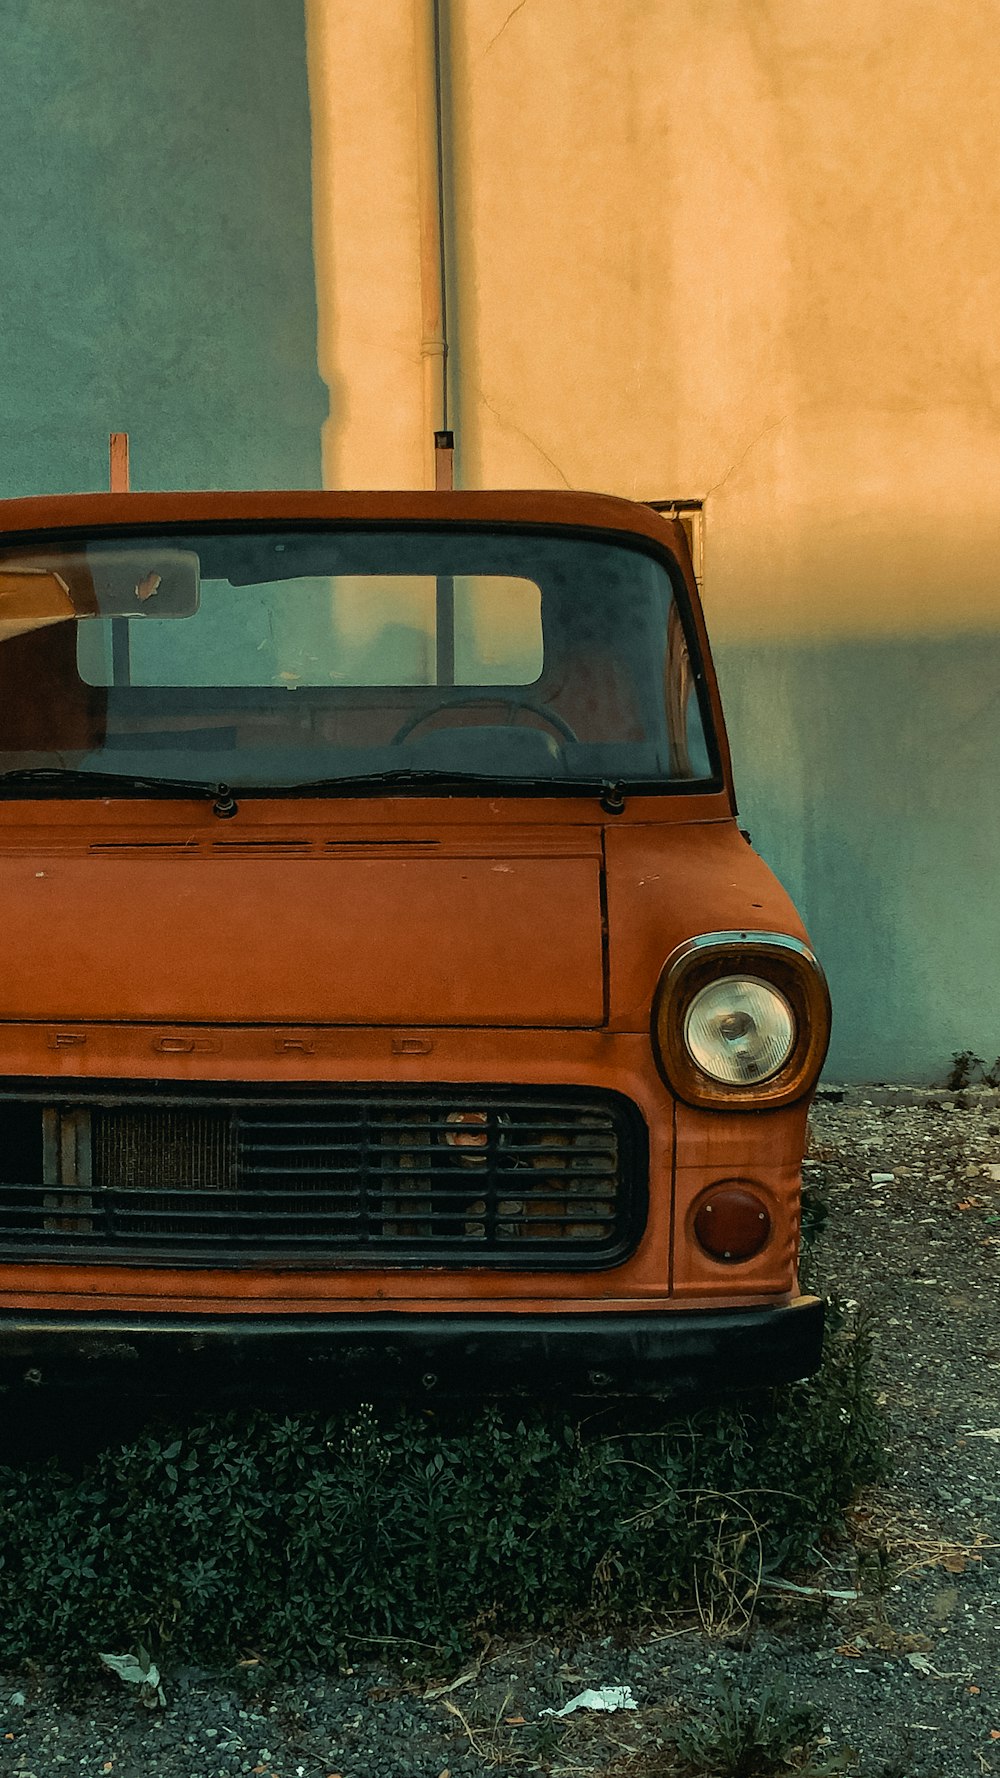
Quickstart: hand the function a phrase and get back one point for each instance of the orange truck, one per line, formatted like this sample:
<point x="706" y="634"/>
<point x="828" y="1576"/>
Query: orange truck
<point x="386" y="983"/>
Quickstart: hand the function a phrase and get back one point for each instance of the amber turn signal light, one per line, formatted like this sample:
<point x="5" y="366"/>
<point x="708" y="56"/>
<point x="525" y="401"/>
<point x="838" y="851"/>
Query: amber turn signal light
<point x="732" y="1224"/>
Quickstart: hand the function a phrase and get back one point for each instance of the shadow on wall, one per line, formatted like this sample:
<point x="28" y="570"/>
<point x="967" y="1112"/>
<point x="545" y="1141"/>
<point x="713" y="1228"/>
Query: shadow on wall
<point x="869" y="775"/>
<point x="158" y="270"/>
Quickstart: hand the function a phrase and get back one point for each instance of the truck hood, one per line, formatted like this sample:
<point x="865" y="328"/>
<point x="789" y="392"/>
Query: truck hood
<point x="478" y="929"/>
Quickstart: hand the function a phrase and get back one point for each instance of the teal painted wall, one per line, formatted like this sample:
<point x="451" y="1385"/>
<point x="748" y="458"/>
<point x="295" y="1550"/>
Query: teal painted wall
<point x="157" y="251"/>
<point x="867" y="773"/>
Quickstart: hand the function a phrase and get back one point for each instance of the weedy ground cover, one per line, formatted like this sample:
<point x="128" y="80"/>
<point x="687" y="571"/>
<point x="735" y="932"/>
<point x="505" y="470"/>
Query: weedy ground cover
<point x="306" y="1536"/>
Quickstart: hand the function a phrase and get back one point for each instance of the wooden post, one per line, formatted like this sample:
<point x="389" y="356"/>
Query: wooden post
<point x="118" y="453"/>
<point x="444" y="460"/>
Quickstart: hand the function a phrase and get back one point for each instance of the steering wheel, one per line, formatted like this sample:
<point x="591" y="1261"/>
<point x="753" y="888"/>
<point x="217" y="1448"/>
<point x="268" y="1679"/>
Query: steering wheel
<point x="512" y="705"/>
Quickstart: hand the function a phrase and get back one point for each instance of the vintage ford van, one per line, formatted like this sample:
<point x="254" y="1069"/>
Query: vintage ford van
<point x="384" y="978"/>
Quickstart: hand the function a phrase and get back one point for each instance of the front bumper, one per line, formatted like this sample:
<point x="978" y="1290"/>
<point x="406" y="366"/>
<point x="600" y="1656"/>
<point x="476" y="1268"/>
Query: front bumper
<point x="673" y="1352"/>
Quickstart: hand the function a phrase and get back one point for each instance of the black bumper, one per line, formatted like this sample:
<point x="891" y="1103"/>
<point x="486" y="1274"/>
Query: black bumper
<point x="667" y="1353"/>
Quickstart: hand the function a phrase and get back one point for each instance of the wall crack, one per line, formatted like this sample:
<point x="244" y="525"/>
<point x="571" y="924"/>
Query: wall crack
<point x="503" y="27"/>
<point x="509" y="426"/>
<point x="771" y="426"/>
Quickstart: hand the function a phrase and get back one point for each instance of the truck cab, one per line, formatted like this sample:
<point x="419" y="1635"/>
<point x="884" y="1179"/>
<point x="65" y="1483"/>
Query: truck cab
<point x="385" y="981"/>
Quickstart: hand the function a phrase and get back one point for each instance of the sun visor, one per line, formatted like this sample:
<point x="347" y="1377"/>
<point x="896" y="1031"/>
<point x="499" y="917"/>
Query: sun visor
<point x="40" y="587"/>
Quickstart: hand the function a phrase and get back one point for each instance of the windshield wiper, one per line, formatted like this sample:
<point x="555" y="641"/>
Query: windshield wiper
<point x="78" y="778"/>
<point x="612" y="794"/>
<point x="404" y="776"/>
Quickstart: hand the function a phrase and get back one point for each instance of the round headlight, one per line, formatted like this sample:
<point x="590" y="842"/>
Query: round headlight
<point x="739" y="1030"/>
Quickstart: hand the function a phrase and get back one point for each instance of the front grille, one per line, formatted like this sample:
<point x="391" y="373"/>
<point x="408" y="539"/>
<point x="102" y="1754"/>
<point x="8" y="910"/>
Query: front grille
<point x="370" y="1177"/>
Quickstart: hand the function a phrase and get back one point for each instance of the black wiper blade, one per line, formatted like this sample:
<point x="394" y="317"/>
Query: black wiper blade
<point x="74" y="777"/>
<point x="612" y="794"/>
<point x="402" y="777"/>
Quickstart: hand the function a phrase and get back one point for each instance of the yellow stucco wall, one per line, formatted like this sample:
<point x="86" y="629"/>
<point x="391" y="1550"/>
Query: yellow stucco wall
<point x="742" y="250"/>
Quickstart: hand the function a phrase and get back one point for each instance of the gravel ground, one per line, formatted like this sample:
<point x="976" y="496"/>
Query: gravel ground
<point x="897" y="1650"/>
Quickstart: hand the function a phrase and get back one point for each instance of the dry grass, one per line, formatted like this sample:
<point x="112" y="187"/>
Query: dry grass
<point x="889" y="1527"/>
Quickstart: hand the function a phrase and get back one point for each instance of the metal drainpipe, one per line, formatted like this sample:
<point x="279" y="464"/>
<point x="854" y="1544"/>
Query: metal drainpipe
<point x="434" y="328"/>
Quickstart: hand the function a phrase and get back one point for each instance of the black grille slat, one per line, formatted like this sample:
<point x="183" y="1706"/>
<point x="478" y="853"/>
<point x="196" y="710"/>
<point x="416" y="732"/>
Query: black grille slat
<point x="429" y="1169"/>
<point x="145" y="1205"/>
<point x="336" y="1177"/>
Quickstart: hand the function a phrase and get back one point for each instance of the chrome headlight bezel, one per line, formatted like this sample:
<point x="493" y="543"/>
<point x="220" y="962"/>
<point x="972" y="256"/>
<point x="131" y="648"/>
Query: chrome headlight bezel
<point x="775" y="960"/>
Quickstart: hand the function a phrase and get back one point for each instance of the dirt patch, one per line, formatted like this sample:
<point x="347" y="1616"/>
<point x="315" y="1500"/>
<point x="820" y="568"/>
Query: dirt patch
<point x="894" y="1649"/>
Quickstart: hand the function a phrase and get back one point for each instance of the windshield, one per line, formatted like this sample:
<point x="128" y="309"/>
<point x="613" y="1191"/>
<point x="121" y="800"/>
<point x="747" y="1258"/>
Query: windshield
<point x="271" y="658"/>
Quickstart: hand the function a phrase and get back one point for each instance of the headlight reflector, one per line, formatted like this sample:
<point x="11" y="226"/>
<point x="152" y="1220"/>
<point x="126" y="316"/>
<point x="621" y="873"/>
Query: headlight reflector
<point x="740" y="1030"/>
<point x="741" y="1019"/>
<point x="468" y="1130"/>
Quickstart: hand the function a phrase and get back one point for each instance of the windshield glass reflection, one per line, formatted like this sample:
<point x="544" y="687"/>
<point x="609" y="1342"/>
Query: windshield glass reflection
<point x="273" y="657"/>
